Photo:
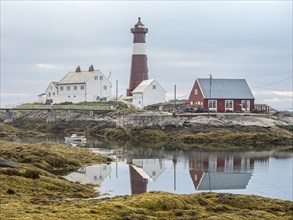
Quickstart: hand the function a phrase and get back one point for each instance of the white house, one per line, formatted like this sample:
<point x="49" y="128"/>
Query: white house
<point x="51" y="92"/>
<point x="42" y="98"/>
<point x="148" y="92"/>
<point x="80" y="86"/>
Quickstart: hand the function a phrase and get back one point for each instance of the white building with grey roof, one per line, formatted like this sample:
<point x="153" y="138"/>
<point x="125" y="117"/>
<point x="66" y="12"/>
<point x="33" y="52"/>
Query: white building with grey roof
<point x="148" y="92"/>
<point x="80" y="86"/>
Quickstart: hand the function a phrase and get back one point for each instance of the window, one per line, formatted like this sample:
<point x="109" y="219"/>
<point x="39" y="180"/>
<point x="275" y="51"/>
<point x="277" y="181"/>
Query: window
<point x="75" y="87"/>
<point x="96" y="77"/>
<point x="69" y="96"/>
<point x="245" y="105"/>
<point x="213" y="104"/>
<point x="229" y="104"/>
<point x="68" y="88"/>
<point x="154" y="86"/>
<point x="195" y="91"/>
<point x="53" y="93"/>
<point x="61" y="88"/>
<point x="101" y="77"/>
<point x="49" y="94"/>
<point x="81" y="87"/>
<point x="105" y="87"/>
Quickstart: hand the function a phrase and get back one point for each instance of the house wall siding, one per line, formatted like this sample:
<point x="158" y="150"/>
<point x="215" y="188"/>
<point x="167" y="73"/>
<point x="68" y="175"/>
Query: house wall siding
<point x="153" y="96"/>
<point x="195" y="98"/>
<point x="221" y="104"/>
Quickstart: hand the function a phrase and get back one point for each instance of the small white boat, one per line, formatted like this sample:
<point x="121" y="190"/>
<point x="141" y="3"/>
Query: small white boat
<point x="75" y="137"/>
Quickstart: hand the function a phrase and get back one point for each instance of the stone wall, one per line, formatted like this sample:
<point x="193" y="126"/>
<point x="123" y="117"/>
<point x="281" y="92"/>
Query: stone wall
<point x="149" y="120"/>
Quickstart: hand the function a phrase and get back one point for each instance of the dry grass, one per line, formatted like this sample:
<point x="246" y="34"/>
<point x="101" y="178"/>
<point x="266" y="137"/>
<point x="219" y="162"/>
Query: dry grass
<point x="155" y="205"/>
<point x="52" y="157"/>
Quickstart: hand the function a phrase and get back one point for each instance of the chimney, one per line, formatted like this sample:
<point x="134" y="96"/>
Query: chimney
<point x="77" y="69"/>
<point x="91" y="68"/>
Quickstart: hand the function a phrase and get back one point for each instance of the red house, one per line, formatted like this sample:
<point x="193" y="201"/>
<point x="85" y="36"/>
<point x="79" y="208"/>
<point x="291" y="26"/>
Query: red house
<point x="221" y="95"/>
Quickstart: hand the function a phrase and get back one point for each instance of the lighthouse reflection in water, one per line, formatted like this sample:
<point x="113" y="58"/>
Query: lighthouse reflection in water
<point x="181" y="172"/>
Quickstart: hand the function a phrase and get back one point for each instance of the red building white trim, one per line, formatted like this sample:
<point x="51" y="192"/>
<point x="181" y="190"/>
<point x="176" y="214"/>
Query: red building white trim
<point x="139" y="67"/>
<point x="221" y="95"/>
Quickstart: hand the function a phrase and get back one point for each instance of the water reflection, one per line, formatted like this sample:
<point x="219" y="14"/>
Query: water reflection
<point x="94" y="174"/>
<point x="182" y="171"/>
<point x="177" y="171"/>
<point x="215" y="171"/>
<point x="143" y="170"/>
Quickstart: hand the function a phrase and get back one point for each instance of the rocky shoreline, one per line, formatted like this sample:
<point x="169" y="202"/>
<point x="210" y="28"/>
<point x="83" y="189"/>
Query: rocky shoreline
<point x="159" y="129"/>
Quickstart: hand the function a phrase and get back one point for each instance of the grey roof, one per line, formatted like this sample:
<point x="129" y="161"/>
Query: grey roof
<point x="221" y="180"/>
<point x="226" y="88"/>
<point x="79" y="77"/>
<point x="144" y="84"/>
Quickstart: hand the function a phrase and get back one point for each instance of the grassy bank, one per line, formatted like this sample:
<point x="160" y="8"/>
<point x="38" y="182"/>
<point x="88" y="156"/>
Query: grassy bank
<point x="35" y="180"/>
<point x="156" y="205"/>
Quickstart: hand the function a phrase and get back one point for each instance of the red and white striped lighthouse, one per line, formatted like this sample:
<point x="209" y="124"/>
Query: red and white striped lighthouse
<point x="139" y="67"/>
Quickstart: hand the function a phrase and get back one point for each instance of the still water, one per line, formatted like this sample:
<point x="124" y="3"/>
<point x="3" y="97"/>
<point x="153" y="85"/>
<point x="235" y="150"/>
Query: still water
<point x="168" y="169"/>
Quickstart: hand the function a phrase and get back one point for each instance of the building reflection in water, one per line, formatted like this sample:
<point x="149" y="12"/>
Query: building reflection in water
<point x="143" y="170"/>
<point x="216" y="171"/>
<point x="191" y="169"/>
<point x="94" y="174"/>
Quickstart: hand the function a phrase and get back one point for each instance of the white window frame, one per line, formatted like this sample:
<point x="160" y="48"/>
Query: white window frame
<point x="105" y="87"/>
<point x="195" y="91"/>
<point x="229" y="108"/>
<point x="247" y="108"/>
<point x="82" y="87"/>
<point x="214" y="107"/>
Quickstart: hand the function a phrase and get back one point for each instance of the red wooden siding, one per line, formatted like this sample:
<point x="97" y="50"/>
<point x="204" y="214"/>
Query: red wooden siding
<point x="195" y="98"/>
<point x="221" y="104"/>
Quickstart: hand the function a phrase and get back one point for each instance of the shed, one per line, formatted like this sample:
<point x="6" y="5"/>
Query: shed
<point x="148" y="92"/>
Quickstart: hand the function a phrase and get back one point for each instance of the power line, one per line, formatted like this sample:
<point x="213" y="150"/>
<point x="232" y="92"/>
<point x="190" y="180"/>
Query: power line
<point x="273" y="89"/>
<point x="277" y="82"/>
<point x="269" y="74"/>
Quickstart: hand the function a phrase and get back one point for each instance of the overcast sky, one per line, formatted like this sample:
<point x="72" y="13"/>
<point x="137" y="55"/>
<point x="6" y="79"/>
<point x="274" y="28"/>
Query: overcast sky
<point x="41" y="41"/>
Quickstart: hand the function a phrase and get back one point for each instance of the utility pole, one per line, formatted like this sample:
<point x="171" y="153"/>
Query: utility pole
<point x="174" y="96"/>
<point x="116" y="90"/>
<point x="174" y="110"/>
<point x="210" y="95"/>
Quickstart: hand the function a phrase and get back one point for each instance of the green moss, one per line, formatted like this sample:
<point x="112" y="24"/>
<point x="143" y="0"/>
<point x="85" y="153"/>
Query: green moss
<point x="155" y="205"/>
<point x="54" y="158"/>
